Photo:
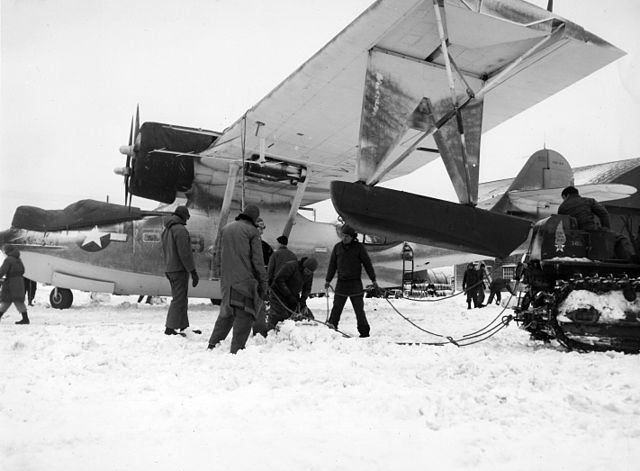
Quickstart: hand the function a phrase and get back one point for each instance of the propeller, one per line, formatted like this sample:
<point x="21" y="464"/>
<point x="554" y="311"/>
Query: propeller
<point x="130" y="151"/>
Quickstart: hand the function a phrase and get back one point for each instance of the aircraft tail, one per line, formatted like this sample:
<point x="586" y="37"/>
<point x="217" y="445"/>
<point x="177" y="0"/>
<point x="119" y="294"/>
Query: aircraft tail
<point x="545" y="169"/>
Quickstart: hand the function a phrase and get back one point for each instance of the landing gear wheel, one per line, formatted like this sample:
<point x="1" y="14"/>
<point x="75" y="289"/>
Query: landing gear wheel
<point x="61" y="298"/>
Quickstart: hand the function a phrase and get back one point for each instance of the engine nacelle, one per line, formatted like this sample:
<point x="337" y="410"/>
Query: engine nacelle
<point x="158" y="171"/>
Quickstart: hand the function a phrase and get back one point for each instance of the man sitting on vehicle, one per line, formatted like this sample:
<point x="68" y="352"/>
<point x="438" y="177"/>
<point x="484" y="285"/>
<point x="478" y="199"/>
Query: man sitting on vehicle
<point x="585" y="210"/>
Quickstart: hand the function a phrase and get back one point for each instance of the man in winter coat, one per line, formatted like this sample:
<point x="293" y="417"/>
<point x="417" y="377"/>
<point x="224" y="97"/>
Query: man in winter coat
<point x="347" y="258"/>
<point x="471" y="282"/>
<point x="495" y="288"/>
<point x="584" y="210"/>
<point x="178" y="258"/>
<point x="290" y="289"/>
<point x="12" y="291"/>
<point x="281" y="256"/>
<point x="243" y="280"/>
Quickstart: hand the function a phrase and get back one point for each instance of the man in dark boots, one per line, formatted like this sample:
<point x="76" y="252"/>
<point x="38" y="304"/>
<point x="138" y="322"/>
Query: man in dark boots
<point x="12" y="291"/>
<point x="347" y="259"/>
<point x="179" y="264"/>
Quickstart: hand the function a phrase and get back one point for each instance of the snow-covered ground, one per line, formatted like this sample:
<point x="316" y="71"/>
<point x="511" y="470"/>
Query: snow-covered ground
<point x="100" y="387"/>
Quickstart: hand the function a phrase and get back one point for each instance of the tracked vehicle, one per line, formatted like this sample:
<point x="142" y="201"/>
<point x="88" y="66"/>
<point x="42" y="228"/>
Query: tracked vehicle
<point x="577" y="291"/>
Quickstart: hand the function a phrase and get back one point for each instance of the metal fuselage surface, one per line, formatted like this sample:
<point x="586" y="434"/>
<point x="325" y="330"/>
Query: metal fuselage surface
<point x="127" y="258"/>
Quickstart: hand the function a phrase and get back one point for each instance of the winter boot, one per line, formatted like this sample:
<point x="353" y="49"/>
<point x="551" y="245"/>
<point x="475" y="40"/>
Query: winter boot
<point x="25" y="319"/>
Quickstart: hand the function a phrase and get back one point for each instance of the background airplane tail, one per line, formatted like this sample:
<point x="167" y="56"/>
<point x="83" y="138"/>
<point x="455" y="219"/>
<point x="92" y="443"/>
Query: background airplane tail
<point x="545" y="169"/>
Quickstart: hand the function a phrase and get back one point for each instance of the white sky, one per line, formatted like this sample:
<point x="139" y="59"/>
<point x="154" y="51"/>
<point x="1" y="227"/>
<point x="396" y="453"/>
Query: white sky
<point x="73" y="71"/>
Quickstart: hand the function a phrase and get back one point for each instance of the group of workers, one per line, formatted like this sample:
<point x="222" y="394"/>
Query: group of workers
<point x="475" y="280"/>
<point x="252" y="273"/>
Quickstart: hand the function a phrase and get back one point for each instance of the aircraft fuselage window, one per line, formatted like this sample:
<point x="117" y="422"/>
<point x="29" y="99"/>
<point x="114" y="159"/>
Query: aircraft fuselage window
<point x="153" y="237"/>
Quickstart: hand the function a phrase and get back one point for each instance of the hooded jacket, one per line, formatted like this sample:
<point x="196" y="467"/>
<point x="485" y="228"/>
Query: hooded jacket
<point x="176" y="246"/>
<point x="13" y="270"/>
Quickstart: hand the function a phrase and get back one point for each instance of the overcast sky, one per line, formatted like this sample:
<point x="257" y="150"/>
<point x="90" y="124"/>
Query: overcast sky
<point x="74" y="70"/>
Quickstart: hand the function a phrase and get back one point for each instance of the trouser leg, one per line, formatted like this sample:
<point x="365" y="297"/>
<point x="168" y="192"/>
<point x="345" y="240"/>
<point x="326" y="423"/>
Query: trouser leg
<point x="491" y="295"/>
<point x="241" y="329"/>
<point x="22" y="309"/>
<point x="222" y="327"/>
<point x="3" y="308"/>
<point x="498" y="297"/>
<point x="260" y="325"/>
<point x="358" y="306"/>
<point x="336" y="311"/>
<point x="278" y="313"/>
<point x="177" y="317"/>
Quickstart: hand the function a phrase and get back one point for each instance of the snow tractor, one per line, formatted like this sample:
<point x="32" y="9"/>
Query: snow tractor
<point x="576" y="290"/>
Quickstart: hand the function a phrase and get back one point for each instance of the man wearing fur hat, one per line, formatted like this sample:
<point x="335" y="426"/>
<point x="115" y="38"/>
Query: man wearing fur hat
<point x="347" y="258"/>
<point x="178" y="258"/>
<point x="290" y="289"/>
<point x="281" y="256"/>
<point x="243" y="279"/>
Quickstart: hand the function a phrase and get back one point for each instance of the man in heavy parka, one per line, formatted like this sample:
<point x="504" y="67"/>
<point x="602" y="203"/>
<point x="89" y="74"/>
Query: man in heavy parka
<point x="176" y="248"/>
<point x="243" y="280"/>
<point x="471" y="280"/>
<point x="290" y="289"/>
<point x="347" y="258"/>
<point x="12" y="291"/>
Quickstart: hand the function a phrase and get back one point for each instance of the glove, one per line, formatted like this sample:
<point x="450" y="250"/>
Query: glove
<point x="327" y="285"/>
<point x="194" y="278"/>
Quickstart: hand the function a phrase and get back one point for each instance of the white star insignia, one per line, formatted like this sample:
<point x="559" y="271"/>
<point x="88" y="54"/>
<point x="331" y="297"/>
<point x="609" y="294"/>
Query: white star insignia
<point x="94" y="236"/>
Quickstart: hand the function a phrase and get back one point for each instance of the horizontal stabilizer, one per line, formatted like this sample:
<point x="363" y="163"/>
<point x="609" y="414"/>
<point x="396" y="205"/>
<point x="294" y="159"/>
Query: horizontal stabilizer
<point x="429" y="221"/>
<point x="529" y="200"/>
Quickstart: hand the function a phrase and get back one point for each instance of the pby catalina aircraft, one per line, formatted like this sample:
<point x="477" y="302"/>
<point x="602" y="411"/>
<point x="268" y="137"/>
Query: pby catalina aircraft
<point x="95" y="246"/>
<point x="406" y="81"/>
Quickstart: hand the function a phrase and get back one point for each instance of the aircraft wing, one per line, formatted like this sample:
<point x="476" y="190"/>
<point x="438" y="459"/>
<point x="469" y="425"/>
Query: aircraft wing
<point x="365" y="107"/>
<point x="313" y="119"/>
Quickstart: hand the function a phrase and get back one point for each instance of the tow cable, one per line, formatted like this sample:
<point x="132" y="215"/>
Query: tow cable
<point x="472" y="338"/>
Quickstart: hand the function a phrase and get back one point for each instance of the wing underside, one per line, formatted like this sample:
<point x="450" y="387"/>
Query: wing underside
<point x="405" y="76"/>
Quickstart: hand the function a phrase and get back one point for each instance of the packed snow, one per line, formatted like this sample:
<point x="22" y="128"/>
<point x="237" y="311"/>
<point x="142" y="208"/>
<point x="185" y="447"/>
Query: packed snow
<point x="100" y="387"/>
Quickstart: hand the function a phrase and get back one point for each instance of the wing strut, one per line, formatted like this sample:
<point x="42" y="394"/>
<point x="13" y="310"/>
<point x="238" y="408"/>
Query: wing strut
<point x="438" y="6"/>
<point x="234" y="167"/>
<point x="295" y="204"/>
<point x="392" y="102"/>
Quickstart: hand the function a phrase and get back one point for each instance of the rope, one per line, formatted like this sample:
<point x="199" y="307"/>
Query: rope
<point x="277" y="298"/>
<point x="478" y="336"/>
<point x="461" y="342"/>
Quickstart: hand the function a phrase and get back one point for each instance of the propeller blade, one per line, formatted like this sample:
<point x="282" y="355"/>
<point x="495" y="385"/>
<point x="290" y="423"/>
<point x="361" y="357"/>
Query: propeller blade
<point x="137" y="128"/>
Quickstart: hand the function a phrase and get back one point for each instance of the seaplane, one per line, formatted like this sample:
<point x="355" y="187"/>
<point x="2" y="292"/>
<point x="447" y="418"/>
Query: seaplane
<point x="407" y="82"/>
